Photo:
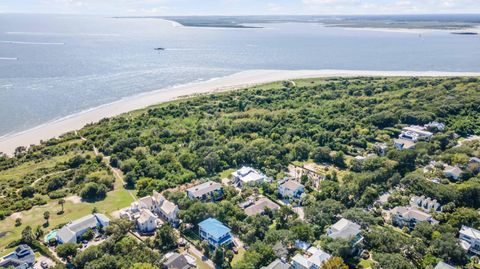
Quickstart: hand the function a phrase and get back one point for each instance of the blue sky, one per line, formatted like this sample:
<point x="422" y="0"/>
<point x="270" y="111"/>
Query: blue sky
<point x="239" y="7"/>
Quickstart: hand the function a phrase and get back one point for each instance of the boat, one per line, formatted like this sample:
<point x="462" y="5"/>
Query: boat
<point x="159" y="48"/>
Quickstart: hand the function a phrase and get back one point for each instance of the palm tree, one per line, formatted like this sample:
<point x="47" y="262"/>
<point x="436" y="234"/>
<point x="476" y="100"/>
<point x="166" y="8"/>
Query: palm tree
<point x="61" y="202"/>
<point x="38" y="232"/>
<point x="46" y="216"/>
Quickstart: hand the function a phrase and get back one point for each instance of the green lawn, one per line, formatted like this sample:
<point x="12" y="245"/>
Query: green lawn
<point x="200" y="263"/>
<point x="366" y="263"/>
<point x="29" y="167"/>
<point x="239" y="256"/>
<point x="192" y="236"/>
<point x="117" y="199"/>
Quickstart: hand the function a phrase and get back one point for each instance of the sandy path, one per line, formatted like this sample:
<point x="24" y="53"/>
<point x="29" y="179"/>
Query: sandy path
<point x="235" y="81"/>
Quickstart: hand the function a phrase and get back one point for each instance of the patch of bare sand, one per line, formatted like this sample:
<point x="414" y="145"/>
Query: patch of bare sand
<point x="74" y="199"/>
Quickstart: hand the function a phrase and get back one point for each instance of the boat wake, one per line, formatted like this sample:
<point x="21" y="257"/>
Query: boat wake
<point x="30" y="43"/>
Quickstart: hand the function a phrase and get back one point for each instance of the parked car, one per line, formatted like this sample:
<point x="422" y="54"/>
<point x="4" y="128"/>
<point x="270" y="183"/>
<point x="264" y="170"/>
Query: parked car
<point x="44" y="264"/>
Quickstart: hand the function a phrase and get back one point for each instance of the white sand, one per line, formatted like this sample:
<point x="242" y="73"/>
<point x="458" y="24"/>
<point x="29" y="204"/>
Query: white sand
<point x="235" y="81"/>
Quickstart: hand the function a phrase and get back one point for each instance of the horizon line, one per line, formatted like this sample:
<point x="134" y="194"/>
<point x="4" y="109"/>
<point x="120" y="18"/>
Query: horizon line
<point x="242" y="15"/>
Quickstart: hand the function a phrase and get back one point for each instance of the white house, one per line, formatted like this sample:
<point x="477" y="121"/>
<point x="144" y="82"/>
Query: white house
<point x="346" y="229"/>
<point x="453" y="172"/>
<point x="402" y="144"/>
<point x="71" y="232"/>
<point x="417" y="132"/>
<point x="409" y="217"/>
<point x="157" y="204"/>
<point x="312" y="259"/>
<point x="289" y="188"/>
<point x="208" y="191"/>
<point x="442" y="265"/>
<point x="147" y="222"/>
<point x="435" y="126"/>
<point x="470" y="239"/>
<point x="247" y="176"/>
<point x="277" y="264"/>
<point x="425" y="203"/>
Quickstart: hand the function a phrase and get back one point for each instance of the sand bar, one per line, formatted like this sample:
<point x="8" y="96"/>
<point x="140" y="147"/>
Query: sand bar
<point x="231" y="82"/>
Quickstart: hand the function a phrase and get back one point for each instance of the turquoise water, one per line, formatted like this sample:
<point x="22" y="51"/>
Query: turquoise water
<point x="55" y="66"/>
<point x="50" y="235"/>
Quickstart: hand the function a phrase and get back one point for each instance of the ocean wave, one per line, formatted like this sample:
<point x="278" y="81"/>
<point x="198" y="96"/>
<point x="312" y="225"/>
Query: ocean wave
<point x="60" y="34"/>
<point x="30" y="43"/>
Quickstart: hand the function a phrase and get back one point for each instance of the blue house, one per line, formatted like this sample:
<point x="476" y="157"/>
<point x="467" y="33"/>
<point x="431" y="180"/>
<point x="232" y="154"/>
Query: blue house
<point x="215" y="232"/>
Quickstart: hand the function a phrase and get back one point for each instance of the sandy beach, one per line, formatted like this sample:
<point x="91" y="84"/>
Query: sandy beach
<point x="231" y="82"/>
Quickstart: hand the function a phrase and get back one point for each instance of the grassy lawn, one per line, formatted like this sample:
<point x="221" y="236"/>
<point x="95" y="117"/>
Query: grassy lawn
<point x="192" y="236"/>
<point x="117" y="199"/>
<point x="239" y="256"/>
<point x="226" y="173"/>
<point x="366" y="263"/>
<point x="200" y="263"/>
<point x="29" y="167"/>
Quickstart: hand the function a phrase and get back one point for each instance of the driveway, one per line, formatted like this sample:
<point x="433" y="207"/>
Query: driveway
<point x="41" y="259"/>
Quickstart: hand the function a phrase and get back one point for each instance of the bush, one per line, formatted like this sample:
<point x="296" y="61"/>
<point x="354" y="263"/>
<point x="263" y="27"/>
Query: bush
<point x="93" y="191"/>
<point x="57" y="194"/>
<point x="67" y="250"/>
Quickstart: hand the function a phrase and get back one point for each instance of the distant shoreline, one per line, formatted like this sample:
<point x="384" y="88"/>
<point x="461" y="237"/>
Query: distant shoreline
<point x="236" y="81"/>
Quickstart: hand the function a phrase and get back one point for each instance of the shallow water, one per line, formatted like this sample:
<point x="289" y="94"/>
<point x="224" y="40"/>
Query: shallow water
<point x="54" y="66"/>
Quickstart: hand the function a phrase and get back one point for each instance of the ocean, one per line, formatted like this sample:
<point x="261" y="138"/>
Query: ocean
<point x="53" y="66"/>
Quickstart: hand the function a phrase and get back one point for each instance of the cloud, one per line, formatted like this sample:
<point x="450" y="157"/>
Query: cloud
<point x="232" y="7"/>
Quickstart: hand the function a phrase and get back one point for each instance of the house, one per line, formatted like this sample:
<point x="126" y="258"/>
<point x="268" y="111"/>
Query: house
<point x="381" y="148"/>
<point x="259" y="206"/>
<point x="474" y="160"/>
<point x="470" y="239"/>
<point x="442" y="265"/>
<point x="179" y="261"/>
<point x="435" y="126"/>
<point x="408" y="217"/>
<point x="157" y="204"/>
<point x="247" y="176"/>
<point x="474" y="164"/>
<point x="417" y="133"/>
<point x="402" y="144"/>
<point x="346" y="229"/>
<point x="215" y="233"/>
<point x="382" y="199"/>
<point x="309" y="171"/>
<point x="289" y="188"/>
<point x="22" y="257"/>
<point x="312" y="259"/>
<point x="452" y="172"/>
<point x="421" y="202"/>
<point x="147" y="222"/>
<point x="277" y="264"/>
<point x="208" y="191"/>
<point x="71" y="232"/>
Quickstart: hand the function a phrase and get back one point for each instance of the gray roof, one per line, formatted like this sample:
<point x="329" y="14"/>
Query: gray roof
<point x="475" y="160"/>
<point x="259" y="206"/>
<point x="12" y="262"/>
<point x="89" y="221"/>
<point x="412" y="213"/>
<point x="70" y="230"/>
<point x="277" y="264"/>
<point x="204" y="188"/>
<point x="344" y="229"/>
<point x="291" y="185"/>
<point x="442" y="265"/>
<point x="22" y="257"/>
<point x="177" y="261"/>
